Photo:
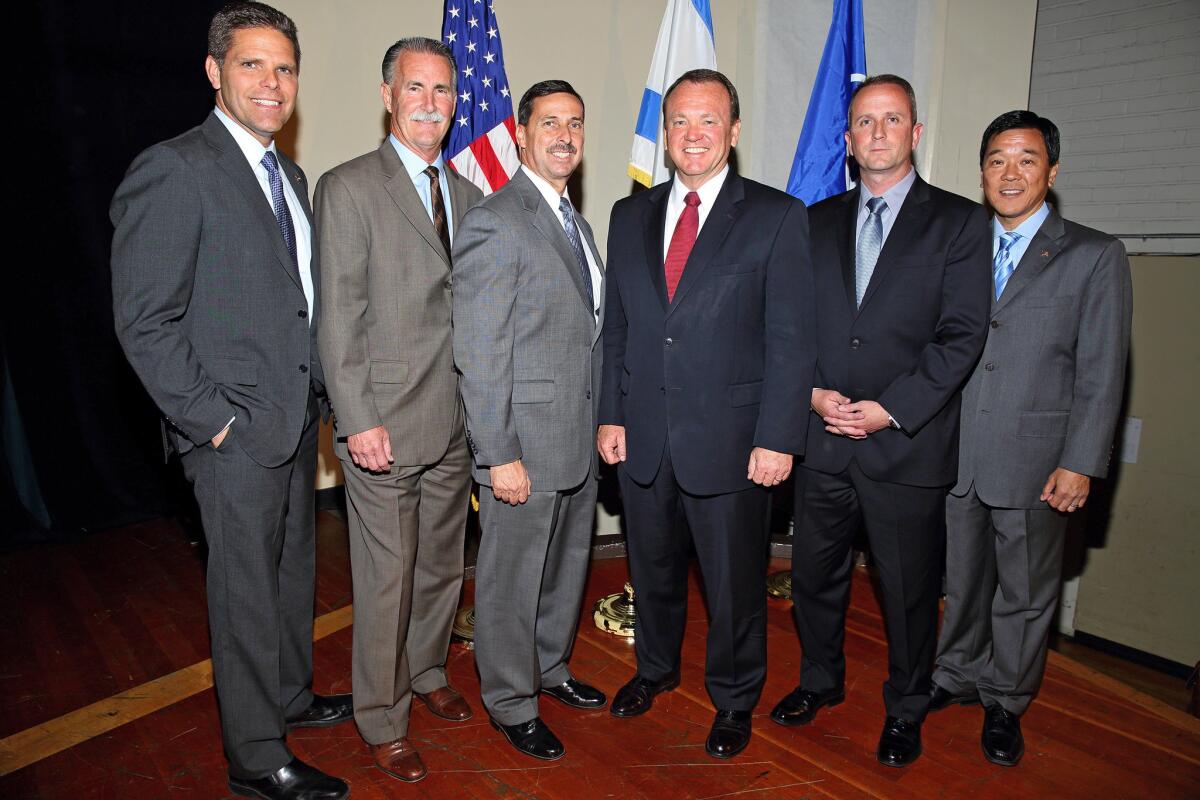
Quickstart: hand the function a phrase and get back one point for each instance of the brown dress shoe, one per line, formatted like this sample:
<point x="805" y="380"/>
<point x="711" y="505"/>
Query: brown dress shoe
<point x="400" y="760"/>
<point x="447" y="704"/>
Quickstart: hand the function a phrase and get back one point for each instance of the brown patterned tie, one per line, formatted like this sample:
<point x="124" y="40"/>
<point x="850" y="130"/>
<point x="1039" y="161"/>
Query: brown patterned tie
<point x="439" y="208"/>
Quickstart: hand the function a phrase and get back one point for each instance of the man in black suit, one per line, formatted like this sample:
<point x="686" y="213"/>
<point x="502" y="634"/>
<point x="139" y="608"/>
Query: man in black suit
<point x="707" y="357"/>
<point x="215" y="304"/>
<point x="902" y="282"/>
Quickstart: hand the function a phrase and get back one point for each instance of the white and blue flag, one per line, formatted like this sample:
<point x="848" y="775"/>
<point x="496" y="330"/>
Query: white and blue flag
<point x="685" y="41"/>
<point x="819" y="169"/>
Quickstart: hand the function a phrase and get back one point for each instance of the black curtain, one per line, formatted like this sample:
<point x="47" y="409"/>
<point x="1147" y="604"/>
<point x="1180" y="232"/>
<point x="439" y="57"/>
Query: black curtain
<point x="91" y="85"/>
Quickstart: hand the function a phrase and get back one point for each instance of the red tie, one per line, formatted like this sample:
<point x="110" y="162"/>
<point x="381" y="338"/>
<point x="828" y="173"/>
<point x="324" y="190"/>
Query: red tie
<point x="681" y="242"/>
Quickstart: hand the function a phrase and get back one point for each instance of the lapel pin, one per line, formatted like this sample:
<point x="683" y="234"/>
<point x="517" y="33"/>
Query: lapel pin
<point x="1045" y="254"/>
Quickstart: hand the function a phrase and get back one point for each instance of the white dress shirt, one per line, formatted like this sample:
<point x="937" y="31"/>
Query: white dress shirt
<point x="708" y="195"/>
<point x="551" y="197"/>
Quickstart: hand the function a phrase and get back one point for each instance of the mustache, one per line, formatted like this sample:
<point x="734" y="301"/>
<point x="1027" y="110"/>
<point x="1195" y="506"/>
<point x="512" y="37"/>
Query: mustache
<point x="562" y="147"/>
<point x="427" y="116"/>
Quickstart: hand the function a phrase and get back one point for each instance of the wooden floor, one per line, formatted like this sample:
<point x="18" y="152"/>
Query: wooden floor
<point x="104" y="693"/>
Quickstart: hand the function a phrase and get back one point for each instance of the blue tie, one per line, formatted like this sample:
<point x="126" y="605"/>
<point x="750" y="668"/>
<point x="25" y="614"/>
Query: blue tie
<point x="1002" y="265"/>
<point x="568" y="217"/>
<point x="281" y="210"/>
<point x="870" y="242"/>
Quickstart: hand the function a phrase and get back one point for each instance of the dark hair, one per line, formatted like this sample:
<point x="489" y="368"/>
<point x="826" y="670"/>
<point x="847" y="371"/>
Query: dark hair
<point x="418" y="44"/>
<point x="243" y="14"/>
<point x="541" y="89"/>
<point x="706" y="76"/>
<point x="1013" y="120"/>
<point x="886" y="79"/>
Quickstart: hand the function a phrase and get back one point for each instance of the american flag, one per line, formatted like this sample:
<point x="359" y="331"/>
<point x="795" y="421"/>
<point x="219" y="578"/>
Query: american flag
<point x="482" y="145"/>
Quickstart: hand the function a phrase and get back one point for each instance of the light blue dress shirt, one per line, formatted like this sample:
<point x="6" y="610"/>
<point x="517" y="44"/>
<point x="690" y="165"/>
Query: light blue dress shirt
<point x="416" y="166"/>
<point x="1026" y="229"/>
<point x="894" y="197"/>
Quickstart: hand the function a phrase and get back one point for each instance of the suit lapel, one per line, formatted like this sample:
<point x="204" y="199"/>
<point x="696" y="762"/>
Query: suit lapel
<point x="725" y="211"/>
<point x="1043" y="247"/>
<point x="400" y="187"/>
<point x="654" y="228"/>
<point x="241" y="175"/>
<point x="458" y="197"/>
<point x="847" y="222"/>
<point x="589" y="241"/>
<point x="909" y="220"/>
<point x="546" y="221"/>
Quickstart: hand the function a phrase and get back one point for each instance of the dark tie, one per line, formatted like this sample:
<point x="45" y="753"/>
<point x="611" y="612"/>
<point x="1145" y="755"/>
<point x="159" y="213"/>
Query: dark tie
<point x="870" y="242"/>
<point x="568" y="218"/>
<point x="439" y="208"/>
<point x="1002" y="265"/>
<point x="682" y="241"/>
<point x="282" y="216"/>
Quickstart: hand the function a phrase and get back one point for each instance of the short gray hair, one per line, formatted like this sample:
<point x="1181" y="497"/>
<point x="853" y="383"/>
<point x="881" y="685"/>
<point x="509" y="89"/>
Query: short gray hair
<point x="418" y="44"/>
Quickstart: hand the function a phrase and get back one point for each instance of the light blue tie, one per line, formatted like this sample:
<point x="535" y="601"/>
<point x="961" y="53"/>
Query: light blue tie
<point x="1002" y="265"/>
<point x="870" y="242"/>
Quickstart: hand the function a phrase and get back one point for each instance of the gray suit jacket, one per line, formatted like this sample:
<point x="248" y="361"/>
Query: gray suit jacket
<point x="386" y="306"/>
<point x="1047" y="390"/>
<point x="525" y="339"/>
<point x="207" y="305"/>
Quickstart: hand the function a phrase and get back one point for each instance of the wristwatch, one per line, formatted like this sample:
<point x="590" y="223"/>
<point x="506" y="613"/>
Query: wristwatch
<point x="892" y="423"/>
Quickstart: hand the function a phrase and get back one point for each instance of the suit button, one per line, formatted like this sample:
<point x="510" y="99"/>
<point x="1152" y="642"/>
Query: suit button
<point x="670" y="341"/>
<point x="589" y="395"/>
<point x="304" y="368"/>
<point x="448" y="284"/>
<point x="662" y="389"/>
<point x="854" y="343"/>
<point x="989" y="366"/>
<point x="302" y="314"/>
<point x="995" y="324"/>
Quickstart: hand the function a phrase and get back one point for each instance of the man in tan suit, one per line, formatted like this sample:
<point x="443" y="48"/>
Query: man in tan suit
<point x="385" y="221"/>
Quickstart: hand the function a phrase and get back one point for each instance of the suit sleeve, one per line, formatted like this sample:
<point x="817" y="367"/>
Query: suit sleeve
<point x="1102" y="349"/>
<point x="158" y="221"/>
<point x="790" y="333"/>
<point x="946" y="361"/>
<point x="614" y="335"/>
<point x="343" y="251"/>
<point x="486" y="271"/>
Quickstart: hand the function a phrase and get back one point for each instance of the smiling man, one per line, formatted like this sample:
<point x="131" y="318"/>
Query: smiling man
<point x="385" y="223"/>
<point x="528" y="286"/>
<point x="1038" y="417"/>
<point x="215" y="304"/>
<point x="708" y="348"/>
<point x="902" y="296"/>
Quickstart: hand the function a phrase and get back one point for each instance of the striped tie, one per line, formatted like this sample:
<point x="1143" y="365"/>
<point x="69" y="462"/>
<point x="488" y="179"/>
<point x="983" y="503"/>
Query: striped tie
<point x="282" y="216"/>
<point x="1002" y="265"/>
<point x="870" y="242"/>
<point x="438" y="206"/>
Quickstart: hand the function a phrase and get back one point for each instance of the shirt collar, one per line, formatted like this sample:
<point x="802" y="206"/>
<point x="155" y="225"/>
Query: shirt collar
<point x="894" y="197"/>
<point x="252" y="148"/>
<point x="413" y="163"/>
<point x="708" y="191"/>
<point x="1027" y="228"/>
<point x="552" y="196"/>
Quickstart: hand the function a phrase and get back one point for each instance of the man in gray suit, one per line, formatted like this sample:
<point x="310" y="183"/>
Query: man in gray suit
<point x="1038" y="416"/>
<point x="384" y="226"/>
<point x="214" y="301"/>
<point x="528" y="291"/>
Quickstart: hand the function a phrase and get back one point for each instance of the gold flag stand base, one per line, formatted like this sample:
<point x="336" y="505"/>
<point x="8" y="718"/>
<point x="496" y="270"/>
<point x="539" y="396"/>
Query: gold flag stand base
<point x="614" y="613"/>
<point x="779" y="584"/>
<point x="464" y="626"/>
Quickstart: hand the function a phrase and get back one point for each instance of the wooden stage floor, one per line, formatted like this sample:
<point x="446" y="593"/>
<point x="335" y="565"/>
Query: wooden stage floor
<point x="105" y="693"/>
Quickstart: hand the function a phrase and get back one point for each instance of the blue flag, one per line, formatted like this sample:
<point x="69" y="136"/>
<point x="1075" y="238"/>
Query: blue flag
<point x="819" y="168"/>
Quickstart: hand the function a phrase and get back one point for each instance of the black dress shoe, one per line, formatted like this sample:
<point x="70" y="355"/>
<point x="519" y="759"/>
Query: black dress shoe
<point x="939" y="698"/>
<point x="900" y="742"/>
<point x="1002" y="741"/>
<point x="637" y="696"/>
<point x="532" y="738"/>
<point x="577" y="695"/>
<point x="296" y="781"/>
<point x="801" y="705"/>
<point x="325" y="710"/>
<point x="729" y="735"/>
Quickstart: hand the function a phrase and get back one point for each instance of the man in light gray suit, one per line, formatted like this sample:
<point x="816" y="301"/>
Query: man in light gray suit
<point x="215" y="304"/>
<point x="1038" y="416"/>
<point x="385" y="221"/>
<point x="528" y="292"/>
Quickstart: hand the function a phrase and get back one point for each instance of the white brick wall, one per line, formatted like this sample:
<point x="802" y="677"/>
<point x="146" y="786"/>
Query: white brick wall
<point x="1121" y="79"/>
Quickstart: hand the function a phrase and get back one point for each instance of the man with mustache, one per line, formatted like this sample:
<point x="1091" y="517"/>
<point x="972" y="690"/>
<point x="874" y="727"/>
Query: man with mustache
<point x="528" y="292"/>
<point x="385" y="223"/>
<point x="215" y="302"/>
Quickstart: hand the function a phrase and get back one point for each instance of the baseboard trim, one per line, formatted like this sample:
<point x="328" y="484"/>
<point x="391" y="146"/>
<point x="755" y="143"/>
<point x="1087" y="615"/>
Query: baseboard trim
<point x="1141" y="657"/>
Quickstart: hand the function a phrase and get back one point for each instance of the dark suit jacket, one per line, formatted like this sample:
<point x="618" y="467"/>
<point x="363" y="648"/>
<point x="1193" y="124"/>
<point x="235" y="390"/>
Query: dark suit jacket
<point x="727" y="365"/>
<point x="208" y="307"/>
<point x="1047" y="391"/>
<point x="912" y="343"/>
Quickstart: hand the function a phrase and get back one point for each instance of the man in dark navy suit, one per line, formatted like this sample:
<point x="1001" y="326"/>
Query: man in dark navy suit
<point x="708" y="362"/>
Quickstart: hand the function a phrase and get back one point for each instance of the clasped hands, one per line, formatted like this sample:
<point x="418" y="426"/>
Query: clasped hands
<point x="845" y="418"/>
